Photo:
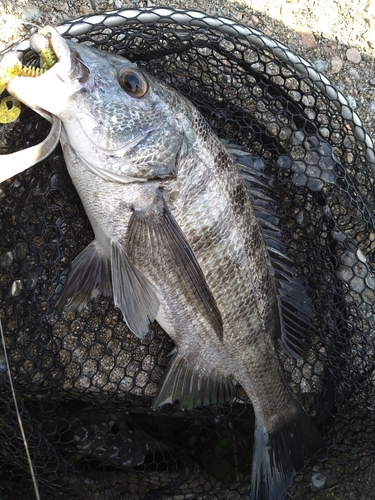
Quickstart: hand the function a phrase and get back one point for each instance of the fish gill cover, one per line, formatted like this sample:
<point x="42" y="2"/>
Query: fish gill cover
<point x="85" y="383"/>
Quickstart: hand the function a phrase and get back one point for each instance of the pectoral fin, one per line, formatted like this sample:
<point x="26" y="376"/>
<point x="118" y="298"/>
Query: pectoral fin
<point x="155" y="237"/>
<point x="88" y="278"/>
<point x="133" y="293"/>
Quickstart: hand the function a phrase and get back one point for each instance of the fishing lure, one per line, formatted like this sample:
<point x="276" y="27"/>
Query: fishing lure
<point x="10" y="107"/>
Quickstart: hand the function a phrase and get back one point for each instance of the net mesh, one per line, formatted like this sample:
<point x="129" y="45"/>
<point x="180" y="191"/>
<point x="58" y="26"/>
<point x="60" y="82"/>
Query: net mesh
<point x="85" y="384"/>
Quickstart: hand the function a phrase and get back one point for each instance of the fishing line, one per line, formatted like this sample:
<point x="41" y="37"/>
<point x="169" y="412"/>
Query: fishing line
<point x="32" y="472"/>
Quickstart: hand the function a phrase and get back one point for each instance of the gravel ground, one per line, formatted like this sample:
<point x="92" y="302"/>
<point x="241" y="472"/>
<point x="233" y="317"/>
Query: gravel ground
<point x="337" y="35"/>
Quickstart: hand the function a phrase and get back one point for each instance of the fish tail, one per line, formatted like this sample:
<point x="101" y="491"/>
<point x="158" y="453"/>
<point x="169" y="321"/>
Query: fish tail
<point x="279" y="452"/>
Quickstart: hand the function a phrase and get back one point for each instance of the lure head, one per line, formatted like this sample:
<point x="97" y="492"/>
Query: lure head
<point x="41" y="44"/>
<point x="54" y="54"/>
<point x="11" y="66"/>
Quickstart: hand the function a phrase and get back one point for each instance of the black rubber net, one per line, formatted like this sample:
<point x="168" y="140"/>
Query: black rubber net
<point x="84" y="384"/>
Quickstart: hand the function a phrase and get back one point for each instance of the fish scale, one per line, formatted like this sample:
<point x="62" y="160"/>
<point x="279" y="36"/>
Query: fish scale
<point x="239" y="205"/>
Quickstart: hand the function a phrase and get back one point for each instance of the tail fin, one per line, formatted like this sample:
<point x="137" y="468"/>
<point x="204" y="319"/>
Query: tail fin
<point x="280" y="452"/>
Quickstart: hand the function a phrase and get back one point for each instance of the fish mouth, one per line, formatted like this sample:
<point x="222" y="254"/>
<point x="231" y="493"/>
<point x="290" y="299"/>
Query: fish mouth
<point x="56" y="53"/>
<point x="62" y="73"/>
<point x="58" y="60"/>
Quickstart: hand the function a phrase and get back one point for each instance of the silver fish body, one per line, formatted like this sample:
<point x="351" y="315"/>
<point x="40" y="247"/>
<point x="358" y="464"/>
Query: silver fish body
<point x="176" y="240"/>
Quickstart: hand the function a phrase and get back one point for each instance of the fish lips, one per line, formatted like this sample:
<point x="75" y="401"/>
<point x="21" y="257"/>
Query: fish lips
<point x="68" y="75"/>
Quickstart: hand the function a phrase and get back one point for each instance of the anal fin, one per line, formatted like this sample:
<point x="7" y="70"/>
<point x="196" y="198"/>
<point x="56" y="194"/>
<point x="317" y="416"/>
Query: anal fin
<point x="88" y="278"/>
<point x="182" y="382"/>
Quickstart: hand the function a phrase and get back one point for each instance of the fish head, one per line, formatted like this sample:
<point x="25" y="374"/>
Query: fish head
<point x="116" y="119"/>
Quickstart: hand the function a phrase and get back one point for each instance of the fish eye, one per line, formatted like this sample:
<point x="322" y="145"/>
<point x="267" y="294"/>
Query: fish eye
<point x="133" y="82"/>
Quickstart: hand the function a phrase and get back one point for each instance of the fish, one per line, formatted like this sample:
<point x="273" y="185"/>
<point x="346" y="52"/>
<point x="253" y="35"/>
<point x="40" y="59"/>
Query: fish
<point x="176" y="241"/>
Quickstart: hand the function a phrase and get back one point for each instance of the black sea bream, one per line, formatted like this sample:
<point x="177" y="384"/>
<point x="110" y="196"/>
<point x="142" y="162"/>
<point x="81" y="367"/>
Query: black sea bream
<point x="176" y="240"/>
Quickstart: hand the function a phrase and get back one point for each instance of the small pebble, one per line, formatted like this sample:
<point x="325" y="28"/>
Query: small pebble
<point x="321" y="65"/>
<point x="372" y="107"/>
<point x="255" y="20"/>
<point x="326" y="49"/>
<point x="307" y="38"/>
<point x="31" y="13"/>
<point x="336" y="64"/>
<point x="84" y="10"/>
<point x="352" y="102"/>
<point x="353" y="55"/>
<point x="318" y="480"/>
<point x="353" y="73"/>
<point x="372" y="82"/>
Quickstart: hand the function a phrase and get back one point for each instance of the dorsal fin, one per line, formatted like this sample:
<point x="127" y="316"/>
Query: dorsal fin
<point x="295" y="305"/>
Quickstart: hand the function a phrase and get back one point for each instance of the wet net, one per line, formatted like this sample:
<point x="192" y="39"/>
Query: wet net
<point x="85" y="384"/>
